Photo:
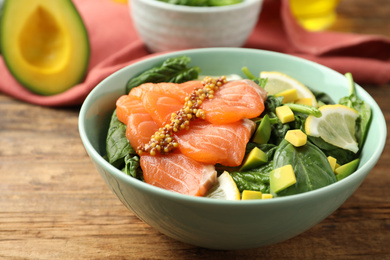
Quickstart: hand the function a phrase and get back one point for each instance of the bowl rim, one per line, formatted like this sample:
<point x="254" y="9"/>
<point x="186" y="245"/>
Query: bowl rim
<point x="363" y="170"/>
<point x="198" y="9"/>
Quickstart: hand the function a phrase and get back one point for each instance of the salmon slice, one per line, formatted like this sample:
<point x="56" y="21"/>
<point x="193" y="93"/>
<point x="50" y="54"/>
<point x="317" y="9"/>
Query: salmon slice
<point x="179" y="173"/>
<point x="160" y="107"/>
<point x="211" y="144"/>
<point x="234" y="101"/>
<point x="172" y="90"/>
<point x="160" y="100"/>
<point x="127" y="105"/>
<point x="140" y="127"/>
<point x="189" y="86"/>
<point x="140" y="124"/>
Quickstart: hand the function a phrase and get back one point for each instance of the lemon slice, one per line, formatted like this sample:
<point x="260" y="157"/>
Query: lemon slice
<point x="336" y="126"/>
<point x="278" y="82"/>
<point x="225" y="188"/>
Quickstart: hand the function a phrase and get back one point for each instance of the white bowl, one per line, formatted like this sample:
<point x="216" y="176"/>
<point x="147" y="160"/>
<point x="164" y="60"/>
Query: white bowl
<point x="167" y="27"/>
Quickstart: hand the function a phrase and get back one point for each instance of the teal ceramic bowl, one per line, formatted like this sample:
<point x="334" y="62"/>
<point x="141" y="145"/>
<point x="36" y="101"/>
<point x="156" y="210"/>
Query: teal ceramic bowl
<point x="219" y="224"/>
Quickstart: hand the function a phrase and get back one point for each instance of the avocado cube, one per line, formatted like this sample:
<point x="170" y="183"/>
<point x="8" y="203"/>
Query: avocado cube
<point x="255" y="158"/>
<point x="332" y="162"/>
<point x="296" y="137"/>
<point x="265" y="196"/>
<point x="263" y="131"/>
<point x="282" y="178"/>
<point x="289" y="95"/>
<point x="304" y="101"/>
<point x="251" y="195"/>
<point x="346" y="169"/>
<point x="285" y="114"/>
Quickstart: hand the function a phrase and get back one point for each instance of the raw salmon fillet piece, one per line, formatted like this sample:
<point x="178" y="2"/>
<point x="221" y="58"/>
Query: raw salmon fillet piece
<point x="234" y="101"/>
<point x="140" y="125"/>
<point x="161" y="107"/>
<point x="167" y="89"/>
<point x="127" y="105"/>
<point x="160" y="100"/>
<point x="179" y="173"/>
<point x="177" y="91"/>
<point x="211" y="144"/>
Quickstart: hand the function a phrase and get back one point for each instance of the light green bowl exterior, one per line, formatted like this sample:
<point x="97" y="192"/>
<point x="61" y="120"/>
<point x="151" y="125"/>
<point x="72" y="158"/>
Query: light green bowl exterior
<point x="221" y="224"/>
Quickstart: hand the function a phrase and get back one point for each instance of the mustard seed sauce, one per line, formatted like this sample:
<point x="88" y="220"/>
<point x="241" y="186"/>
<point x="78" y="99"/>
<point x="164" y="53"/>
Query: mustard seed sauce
<point x="163" y="141"/>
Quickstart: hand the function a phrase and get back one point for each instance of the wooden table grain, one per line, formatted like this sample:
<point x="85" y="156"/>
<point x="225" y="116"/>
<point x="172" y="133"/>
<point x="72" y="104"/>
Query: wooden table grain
<point x="54" y="205"/>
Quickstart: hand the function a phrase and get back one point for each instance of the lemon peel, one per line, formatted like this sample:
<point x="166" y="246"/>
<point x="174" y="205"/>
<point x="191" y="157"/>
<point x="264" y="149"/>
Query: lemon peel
<point x="278" y="82"/>
<point x="225" y="188"/>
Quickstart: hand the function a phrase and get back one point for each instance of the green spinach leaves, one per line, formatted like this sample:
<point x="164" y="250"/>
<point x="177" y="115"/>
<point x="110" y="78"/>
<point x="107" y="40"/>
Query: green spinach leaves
<point x="174" y="70"/>
<point x="117" y="145"/>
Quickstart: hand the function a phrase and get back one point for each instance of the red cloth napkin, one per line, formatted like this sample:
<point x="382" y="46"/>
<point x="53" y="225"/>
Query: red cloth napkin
<point x="115" y="44"/>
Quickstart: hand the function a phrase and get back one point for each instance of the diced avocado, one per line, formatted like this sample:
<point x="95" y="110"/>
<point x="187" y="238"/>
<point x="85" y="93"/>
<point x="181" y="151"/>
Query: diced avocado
<point x="282" y="178"/>
<point x="285" y="114"/>
<point x="251" y="195"/>
<point x="265" y="196"/>
<point x="296" y="137"/>
<point x="289" y="95"/>
<point x="263" y="131"/>
<point x="304" y="101"/>
<point x="332" y="162"/>
<point x="346" y="169"/>
<point x="44" y="44"/>
<point x="255" y="158"/>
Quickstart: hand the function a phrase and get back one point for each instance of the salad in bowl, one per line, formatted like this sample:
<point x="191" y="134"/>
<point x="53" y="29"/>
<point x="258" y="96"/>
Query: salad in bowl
<point x="234" y="137"/>
<point x="271" y="169"/>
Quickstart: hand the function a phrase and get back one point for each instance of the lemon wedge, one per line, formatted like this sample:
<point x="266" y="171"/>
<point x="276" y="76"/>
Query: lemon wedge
<point x="336" y="126"/>
<point x="225" y="188"/>
<point x="278" y="82"/>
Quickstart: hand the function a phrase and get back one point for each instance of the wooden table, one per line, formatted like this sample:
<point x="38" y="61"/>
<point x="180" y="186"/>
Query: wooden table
<point x="54" y="205"/>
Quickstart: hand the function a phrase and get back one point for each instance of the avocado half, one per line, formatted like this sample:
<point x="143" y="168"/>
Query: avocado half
<point x="44" y="44"/>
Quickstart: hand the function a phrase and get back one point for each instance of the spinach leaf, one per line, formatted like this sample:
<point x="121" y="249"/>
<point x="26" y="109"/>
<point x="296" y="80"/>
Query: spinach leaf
<point x="171" y="70"/>
<point x="132" y="166"/>
<point x="299" y="121"/>
<point x="322" y="97"/>
<point x="342" y="156"/>
<point x="278" y="130"/>
<point x="310" y="164"/>
<point x="271" y="103"/>
<point x="364" y="110"/>
<point x="117" y="145"/>
<point x="255" y="179"/>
